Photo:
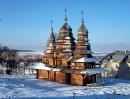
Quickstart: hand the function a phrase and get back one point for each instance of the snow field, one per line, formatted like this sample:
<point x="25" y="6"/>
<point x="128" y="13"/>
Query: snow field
<point x="22" y="87"/>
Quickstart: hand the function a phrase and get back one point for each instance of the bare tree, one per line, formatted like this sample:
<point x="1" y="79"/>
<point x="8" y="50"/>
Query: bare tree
<point x="9" y="59"/>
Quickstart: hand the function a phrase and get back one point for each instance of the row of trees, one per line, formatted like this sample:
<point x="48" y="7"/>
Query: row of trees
<point x="11" y="62"/>
<point x="8" y="59"/>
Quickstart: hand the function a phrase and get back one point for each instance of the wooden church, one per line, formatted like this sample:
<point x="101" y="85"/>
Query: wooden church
<point x="68" y="61"/>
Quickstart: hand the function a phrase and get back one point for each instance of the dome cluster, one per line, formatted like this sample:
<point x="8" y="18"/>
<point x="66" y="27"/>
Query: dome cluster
<point x="69" y="58"/>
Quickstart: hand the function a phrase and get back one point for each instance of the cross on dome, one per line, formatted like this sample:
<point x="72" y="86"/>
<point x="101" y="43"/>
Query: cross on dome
<point x="65" y="11"/>
<point x="51" y="26"/>
<point x="82" y="20"/>
<point x="65" y="15"/>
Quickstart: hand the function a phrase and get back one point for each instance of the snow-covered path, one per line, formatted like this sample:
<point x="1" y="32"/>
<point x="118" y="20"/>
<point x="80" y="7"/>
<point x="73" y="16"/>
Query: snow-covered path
<point x="26" y="87"/>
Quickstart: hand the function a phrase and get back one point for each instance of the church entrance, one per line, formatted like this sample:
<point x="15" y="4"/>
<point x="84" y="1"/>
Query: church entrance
<point x="68" y="78"/>
<point x="87" y="80"/>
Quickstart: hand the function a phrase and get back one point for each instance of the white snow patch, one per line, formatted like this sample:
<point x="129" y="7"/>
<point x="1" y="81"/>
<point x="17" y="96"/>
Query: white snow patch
<point x="85" y="59"/>
<point x="94" y="71"/>
<point x="26" y="87"/>
<point x="44" y="67"/>
<point x="40" y="66"/>
<point x="67" y="38"/>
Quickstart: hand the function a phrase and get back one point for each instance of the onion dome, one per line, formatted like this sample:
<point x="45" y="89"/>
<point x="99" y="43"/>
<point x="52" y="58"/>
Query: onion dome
<point x="82" y="29"/>
<point x="65" y="27"/>
<point x="52" y="37"/>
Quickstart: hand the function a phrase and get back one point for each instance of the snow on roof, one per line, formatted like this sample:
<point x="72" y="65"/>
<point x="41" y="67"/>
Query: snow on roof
<point x="49" y="51"/>
<point x="85" y="59"/>
<point x="67" y="49"/>
<point x="56" y="69"/>
<point x="51" y="44"/>
<point x="67" y="43"/>
<point x="70" y="58"/>
<point x="87" y="43"/>
<point x="94" y="71"/>
<point x="44" y="67"/>
<point x="40" y="66"/>
<point x="67" y="38"/>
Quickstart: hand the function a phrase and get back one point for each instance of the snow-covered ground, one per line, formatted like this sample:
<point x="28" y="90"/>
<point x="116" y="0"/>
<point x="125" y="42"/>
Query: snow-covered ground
<point x="24" y="87"/>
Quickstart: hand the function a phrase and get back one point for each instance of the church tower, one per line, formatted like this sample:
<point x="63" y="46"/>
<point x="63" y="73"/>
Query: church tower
<point x="49" y="52"/>
<point x="65" y="44"/>
<point x="83" y="46"/>
<point x="82" y="57"/>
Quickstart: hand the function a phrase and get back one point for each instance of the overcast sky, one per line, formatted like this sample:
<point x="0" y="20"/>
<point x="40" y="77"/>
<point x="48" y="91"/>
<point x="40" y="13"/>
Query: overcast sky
<point x="25" y="24"/>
